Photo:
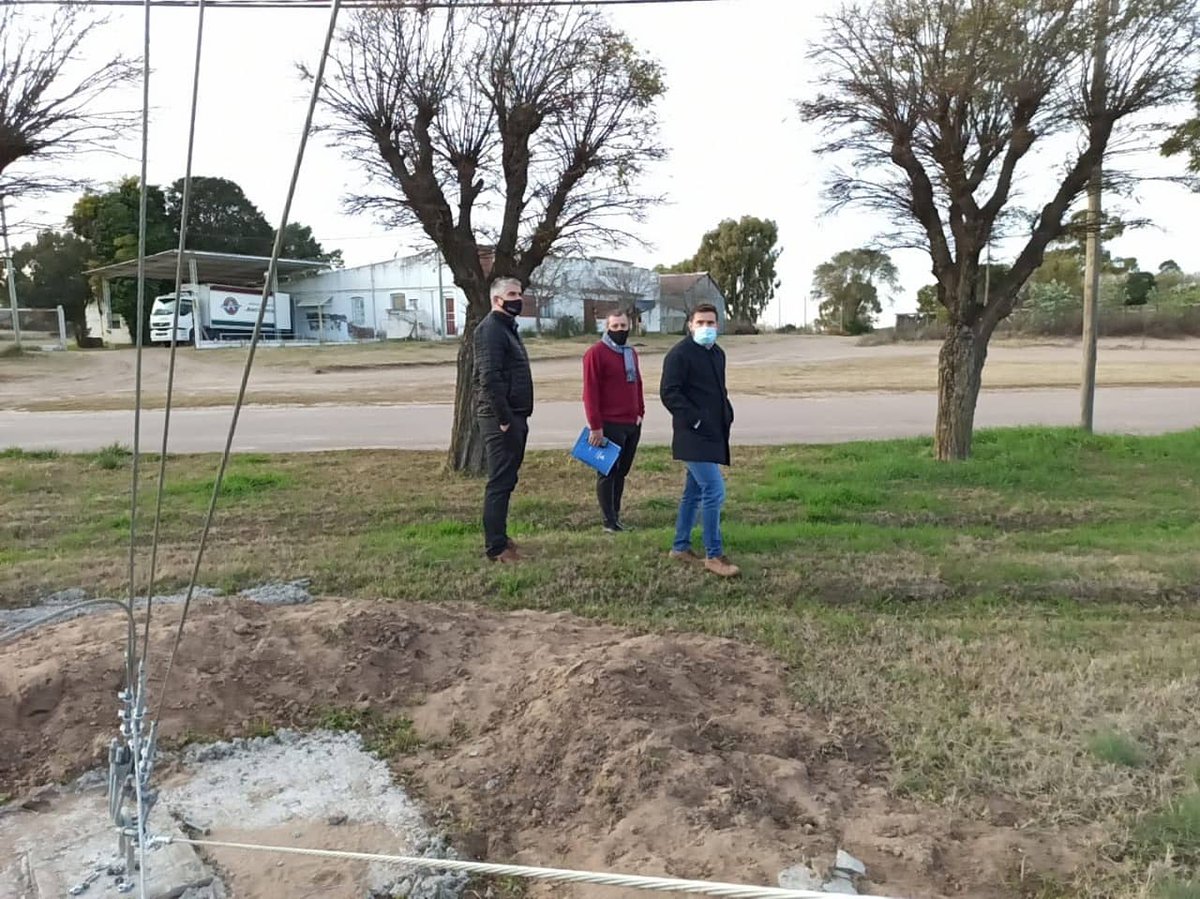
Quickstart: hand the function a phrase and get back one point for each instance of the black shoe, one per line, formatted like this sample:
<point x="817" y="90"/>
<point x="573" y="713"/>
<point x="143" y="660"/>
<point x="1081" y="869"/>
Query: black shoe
<point x="616" y="528"/>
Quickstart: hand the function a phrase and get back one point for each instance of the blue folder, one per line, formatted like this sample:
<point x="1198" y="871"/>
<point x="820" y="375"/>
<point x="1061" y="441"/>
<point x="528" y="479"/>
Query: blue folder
<point x="601" y="458"/>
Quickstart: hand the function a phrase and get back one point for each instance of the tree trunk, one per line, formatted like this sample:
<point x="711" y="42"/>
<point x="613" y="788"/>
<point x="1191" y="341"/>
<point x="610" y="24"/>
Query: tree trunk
<point x="466" y="443"/>
<point x="960" y="367"/>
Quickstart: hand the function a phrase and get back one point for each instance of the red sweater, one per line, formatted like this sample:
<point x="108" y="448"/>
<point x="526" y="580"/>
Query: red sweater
<point x="607" y="396"/>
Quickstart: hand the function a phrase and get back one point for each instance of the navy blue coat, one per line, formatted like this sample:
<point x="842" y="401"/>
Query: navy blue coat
<point x="693" y="390"/>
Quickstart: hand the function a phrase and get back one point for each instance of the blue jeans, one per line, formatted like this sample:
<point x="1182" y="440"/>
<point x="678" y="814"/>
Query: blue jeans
<point x="703" y="496"/>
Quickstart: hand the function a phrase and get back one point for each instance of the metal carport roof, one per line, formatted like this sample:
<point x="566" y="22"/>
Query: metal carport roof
<point x="219" y="268"/>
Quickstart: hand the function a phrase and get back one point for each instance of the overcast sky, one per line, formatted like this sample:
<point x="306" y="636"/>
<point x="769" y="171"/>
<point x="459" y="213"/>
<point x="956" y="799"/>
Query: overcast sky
<point x="734" y="69"/>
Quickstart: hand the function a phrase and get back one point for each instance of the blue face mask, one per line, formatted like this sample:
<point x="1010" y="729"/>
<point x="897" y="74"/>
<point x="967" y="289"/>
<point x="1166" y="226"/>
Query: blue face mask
<point x="705" y="335"/>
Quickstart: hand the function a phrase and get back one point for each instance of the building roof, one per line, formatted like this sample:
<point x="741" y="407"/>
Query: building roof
<point x="677" y="285"/>
<point x="226" y="268"/>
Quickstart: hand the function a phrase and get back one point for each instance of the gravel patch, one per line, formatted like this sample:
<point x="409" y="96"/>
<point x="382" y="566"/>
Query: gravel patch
<point x="275" y="593"/>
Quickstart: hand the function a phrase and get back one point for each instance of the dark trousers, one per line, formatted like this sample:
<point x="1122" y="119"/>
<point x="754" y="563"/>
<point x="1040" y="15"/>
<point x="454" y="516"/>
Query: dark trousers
<point x="505" y="452"/>
<point x="610" y="487"/>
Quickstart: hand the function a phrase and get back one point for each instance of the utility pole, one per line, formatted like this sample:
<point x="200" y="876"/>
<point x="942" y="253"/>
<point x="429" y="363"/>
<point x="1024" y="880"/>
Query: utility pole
<point x="12" y="277"/>
<point x="1091" y="280"/>
<point x="440" y="305"/>
<point x="987" y="274"/>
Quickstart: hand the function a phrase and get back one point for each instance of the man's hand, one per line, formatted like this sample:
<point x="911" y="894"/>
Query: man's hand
<point x="639" y="421"/>
<point x="504" y="428"/>
<point x="596" y="437"/>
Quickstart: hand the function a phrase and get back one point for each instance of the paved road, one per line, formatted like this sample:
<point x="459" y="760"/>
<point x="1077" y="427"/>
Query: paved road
<point x="760" y="420"/>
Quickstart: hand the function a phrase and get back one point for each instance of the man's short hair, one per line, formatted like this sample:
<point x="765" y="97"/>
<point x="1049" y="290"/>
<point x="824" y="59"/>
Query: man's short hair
<point x="499" y="285"/>
<point x="703" y="307"/>
<point x="618" y="313"/>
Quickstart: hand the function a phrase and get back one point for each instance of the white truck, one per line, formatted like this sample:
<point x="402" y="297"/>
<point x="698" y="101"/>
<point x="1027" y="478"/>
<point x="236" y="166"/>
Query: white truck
<point x="219" y="313"/>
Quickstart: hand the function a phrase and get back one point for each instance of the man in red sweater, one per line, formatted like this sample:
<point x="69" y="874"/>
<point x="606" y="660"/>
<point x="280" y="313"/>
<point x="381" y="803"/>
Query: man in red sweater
<point x="615" y="407"/>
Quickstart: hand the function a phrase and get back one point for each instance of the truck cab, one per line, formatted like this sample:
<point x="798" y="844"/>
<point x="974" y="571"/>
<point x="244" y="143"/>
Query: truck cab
<point x="161" y="314"/>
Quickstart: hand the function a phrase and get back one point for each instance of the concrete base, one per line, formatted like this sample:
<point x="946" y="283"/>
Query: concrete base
<point x="46" y="851"/>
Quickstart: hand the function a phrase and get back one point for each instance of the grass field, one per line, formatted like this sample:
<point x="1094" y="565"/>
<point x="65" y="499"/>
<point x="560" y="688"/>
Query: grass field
<point x="1018" y="633"/>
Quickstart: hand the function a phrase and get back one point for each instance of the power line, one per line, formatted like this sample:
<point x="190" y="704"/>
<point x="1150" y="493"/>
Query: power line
<point x="349" y="4"/>
<point x="185" y="208"/>
<point x="270" y="284"/>
<point x="554" y="875"/>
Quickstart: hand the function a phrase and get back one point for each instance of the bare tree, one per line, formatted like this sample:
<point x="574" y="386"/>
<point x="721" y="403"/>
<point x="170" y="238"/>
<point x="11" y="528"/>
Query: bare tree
<point x="553" y="280"/>
<point x="49" y="98"/>
<point x="627" y="285"/>
<point x="501" y="133"/>
<point x="938" y="104"/>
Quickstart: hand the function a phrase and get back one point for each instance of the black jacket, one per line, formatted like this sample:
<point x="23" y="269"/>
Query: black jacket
<point x="693" y="390"/>
<point x="503" y="381"/>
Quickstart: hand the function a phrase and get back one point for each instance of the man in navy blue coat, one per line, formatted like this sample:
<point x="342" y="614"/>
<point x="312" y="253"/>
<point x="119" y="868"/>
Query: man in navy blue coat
<point x="693" y="390"/>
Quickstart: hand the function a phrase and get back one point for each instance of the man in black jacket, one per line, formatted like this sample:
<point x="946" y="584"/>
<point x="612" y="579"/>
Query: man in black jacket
<point x="504" y="386"/>
<point x="693" y="390"/>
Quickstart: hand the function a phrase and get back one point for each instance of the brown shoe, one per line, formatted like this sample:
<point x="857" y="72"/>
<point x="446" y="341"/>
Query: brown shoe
<point x="721" y="567"/>
<point x="508" y="557"/>
<point x="684" y="555"/>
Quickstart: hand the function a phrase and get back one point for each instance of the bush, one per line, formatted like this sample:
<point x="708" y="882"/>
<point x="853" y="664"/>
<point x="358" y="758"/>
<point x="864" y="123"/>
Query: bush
<point x="1121" y="321"/>
<point x="567" y="326"/>
<point x="740" y="327"/>
<point x="111" y="457"/>
<point x="1158" y="321"/>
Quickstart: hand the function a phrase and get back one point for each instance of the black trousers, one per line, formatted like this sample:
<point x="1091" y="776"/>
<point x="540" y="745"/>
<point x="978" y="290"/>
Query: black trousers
<point x="611" y="487"/>
<point x="505" y="451"/>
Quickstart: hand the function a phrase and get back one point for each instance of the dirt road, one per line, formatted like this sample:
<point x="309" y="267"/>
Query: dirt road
<point x="399" y="372"/>
<point x="829" y="418"/>
<point x="788" y="388"/>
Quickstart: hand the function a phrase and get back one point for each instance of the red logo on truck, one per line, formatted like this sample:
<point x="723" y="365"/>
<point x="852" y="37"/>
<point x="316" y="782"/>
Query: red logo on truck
<point x="230" y="306"/>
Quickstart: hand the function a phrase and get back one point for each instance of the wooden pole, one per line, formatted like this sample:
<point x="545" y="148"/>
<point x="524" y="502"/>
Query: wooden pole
<point x="11" y="277"/>
<point x="1091" y="281"/>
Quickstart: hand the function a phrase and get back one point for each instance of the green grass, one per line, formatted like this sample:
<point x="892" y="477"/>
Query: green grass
<point x="1174" y="888"/>
<point x="112" y="457"/>
<point x="1173" y="832"/>
<point x="1118" y="749"/>
<point x="385" y="736"/>
<point x="260" y="728"/>
<point x="235" y="485"/>
<point x="15" y="452"/>
<point x="1022" y="625"/>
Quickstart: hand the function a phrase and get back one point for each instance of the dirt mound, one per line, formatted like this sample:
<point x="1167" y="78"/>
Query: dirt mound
<point x="547" y="739"/>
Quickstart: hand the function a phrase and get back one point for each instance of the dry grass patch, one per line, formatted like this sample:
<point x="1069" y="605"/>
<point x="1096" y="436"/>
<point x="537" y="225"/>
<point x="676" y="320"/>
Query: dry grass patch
<point x="1018" y="632"/>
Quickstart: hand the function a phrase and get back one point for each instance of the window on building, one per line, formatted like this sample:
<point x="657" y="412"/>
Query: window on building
<point x="358" y="311"/>
<point x="398" y="301"/>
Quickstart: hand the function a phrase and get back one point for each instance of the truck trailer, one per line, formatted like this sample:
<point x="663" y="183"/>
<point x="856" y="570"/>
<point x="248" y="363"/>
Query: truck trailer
<point x="218" y="312"/>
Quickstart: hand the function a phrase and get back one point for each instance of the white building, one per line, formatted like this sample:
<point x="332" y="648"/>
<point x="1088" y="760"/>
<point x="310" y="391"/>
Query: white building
<point x="398" y="299"/>
<point x="105" y="325"/>
<point x="586" y="290"/>
<point x="414" y="298"/>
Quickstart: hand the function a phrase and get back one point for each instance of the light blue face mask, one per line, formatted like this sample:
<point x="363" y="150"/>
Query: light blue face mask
<point x="705" y="335"/>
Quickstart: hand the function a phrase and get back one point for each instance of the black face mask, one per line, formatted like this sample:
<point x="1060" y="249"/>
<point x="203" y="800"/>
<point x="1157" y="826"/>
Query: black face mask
<point x="618" y="337"/>
<point x="513" y="307"/>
